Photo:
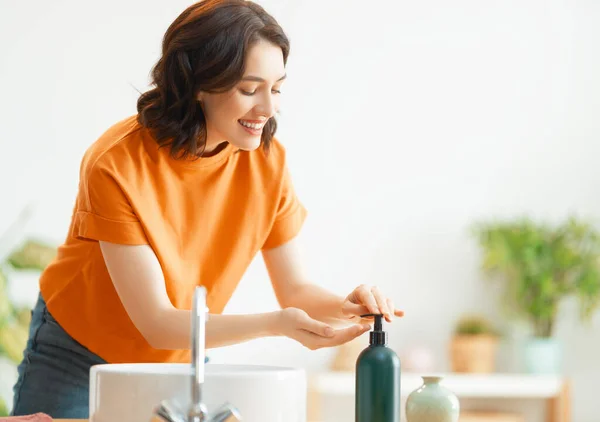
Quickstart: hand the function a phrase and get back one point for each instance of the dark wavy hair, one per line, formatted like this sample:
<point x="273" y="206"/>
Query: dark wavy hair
<point x="204" y="49"/>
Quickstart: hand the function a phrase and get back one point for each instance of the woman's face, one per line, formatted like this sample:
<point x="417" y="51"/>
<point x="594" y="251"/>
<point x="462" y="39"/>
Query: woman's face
<point x="238" y="115"/>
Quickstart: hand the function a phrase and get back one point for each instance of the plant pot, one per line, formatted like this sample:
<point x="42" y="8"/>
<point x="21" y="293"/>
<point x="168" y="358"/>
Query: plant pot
<point x="473" y="353"/>
<point x="432" y="403"/>
<point x="543" y="355"/>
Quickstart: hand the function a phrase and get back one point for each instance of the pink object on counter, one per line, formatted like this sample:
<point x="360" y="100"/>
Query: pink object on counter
<point x="36" y="417"/>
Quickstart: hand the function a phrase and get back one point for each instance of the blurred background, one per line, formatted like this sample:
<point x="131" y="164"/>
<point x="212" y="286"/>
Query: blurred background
<point x="446" y="151"/>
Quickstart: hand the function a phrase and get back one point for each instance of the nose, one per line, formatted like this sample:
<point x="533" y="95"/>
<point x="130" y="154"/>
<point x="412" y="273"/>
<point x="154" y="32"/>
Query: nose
<point x="267" y="105"/>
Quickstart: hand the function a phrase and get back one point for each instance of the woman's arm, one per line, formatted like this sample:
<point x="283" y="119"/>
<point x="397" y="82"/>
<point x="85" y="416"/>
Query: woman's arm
<point x="291" y="287"/>
<point x="140" y="284"/>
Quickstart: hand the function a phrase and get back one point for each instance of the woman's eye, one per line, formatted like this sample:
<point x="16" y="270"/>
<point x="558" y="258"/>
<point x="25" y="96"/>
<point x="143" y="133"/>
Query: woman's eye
<point x="250" y="93"/>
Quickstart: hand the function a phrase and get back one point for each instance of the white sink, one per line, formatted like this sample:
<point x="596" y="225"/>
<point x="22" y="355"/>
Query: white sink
<point x="131" y="392"/>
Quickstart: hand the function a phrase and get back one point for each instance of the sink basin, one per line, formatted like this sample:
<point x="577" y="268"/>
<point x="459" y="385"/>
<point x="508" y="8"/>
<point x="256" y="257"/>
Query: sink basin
<point x="131" y="392"/>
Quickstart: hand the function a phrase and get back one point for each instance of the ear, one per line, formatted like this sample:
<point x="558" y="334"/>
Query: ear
<point x="200" y="97"/>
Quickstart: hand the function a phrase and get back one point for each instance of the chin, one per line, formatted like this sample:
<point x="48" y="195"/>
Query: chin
<point x="247" y="144"/>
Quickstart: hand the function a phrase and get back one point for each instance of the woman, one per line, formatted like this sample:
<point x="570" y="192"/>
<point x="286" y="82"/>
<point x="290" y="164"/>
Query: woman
<point x="184" y="193"/>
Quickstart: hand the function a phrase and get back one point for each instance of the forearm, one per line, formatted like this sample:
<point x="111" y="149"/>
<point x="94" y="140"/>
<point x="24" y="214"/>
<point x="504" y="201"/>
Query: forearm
<point x="319" y="303"/>
<point x="225" y="330"/>
<point x="173" y="329"/>
<point x="151" y="311"/>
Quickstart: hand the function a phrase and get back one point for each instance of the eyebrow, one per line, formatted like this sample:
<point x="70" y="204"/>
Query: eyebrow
<point x="257" y="79"/>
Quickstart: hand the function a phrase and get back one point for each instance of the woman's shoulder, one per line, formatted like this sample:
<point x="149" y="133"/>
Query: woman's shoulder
<point x="114" y="146"/>
<point x="274" y="157"/>
<point x="277" y="147"/>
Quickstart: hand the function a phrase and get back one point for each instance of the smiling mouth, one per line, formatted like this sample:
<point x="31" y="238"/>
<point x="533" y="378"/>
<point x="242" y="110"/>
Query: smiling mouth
<point x="252" y="125"/>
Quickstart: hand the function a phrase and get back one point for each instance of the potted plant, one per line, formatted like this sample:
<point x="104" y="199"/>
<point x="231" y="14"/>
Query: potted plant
<point x="541" y="265"/>
<point x="473" y="345"/>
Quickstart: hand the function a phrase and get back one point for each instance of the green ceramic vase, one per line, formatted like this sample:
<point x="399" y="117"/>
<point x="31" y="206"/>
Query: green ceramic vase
<point x="432" y="402"/>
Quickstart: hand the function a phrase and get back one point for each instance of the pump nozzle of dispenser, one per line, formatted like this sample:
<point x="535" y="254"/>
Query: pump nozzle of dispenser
<point x="377" y="336"/>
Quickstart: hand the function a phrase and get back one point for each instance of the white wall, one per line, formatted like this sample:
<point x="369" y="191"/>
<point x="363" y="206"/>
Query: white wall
<point x="405" y="122"/>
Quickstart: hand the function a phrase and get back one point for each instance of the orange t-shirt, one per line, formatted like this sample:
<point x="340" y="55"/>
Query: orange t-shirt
<point x="205" y="219"/>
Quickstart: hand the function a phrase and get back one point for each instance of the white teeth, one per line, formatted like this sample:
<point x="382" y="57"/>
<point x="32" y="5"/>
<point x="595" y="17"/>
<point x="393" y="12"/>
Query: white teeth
<point x="255" y="126"/>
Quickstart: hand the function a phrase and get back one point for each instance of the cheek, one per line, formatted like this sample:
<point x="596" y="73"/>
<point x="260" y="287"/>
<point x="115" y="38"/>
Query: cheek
<point x="227" y="108"/>
<point x="218" y="110"/>
<point x="240" y="106"/>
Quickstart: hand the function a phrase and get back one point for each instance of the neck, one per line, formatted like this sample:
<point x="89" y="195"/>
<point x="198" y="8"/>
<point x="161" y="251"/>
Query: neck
<point x="213" y="149"/>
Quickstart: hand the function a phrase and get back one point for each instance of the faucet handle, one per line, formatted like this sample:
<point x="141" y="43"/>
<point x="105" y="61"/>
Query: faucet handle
<point x="225" y="413"/>
<point x="166" y="412"/>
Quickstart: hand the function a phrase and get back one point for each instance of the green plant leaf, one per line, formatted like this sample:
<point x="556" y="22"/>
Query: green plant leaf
<point x="4" y="412"/>
<point x="541" y="265"/>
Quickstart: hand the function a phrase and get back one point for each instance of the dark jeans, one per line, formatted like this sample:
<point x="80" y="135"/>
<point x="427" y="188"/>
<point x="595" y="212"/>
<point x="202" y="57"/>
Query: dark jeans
<point x="55" y="370"/>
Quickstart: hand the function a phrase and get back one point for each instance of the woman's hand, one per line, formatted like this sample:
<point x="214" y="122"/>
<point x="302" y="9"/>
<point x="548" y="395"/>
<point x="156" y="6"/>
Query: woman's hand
<point x="298" y="325"/>
<point x="369" y="300"/>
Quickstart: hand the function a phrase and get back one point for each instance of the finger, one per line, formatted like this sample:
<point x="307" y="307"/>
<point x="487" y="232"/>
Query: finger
<point x="317" y="327"/>
<point x="381" y="303"/>
<point x="366" y="298"/>
<point x="390" y="306"/>
<point x="398" y="313"/>
<point x="347" y="334"/>
<point x="354" y="309"/>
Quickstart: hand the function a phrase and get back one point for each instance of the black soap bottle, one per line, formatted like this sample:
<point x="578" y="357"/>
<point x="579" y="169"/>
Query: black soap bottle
<point x="377" y="396"/>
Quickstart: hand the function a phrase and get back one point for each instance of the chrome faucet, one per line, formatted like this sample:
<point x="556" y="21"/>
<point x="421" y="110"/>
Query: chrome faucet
<point x="197" y="411"/>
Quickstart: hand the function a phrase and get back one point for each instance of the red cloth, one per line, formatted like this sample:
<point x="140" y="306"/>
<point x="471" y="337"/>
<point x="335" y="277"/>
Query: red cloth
<point x="36" y="417"/>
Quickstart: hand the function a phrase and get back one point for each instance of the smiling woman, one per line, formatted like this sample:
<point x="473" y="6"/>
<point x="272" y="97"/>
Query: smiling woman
<point x="183" y="194"/>
<point x="242" y="114"/>
<point x="223" y="63"/>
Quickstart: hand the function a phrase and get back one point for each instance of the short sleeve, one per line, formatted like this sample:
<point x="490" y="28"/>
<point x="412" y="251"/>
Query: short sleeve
<point x="104" y="211"/>
<point x="290" y="215"/>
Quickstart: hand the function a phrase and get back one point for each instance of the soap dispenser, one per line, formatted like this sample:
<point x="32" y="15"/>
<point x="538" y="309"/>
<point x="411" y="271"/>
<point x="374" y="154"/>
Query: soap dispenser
<point x="377" y="394"/>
